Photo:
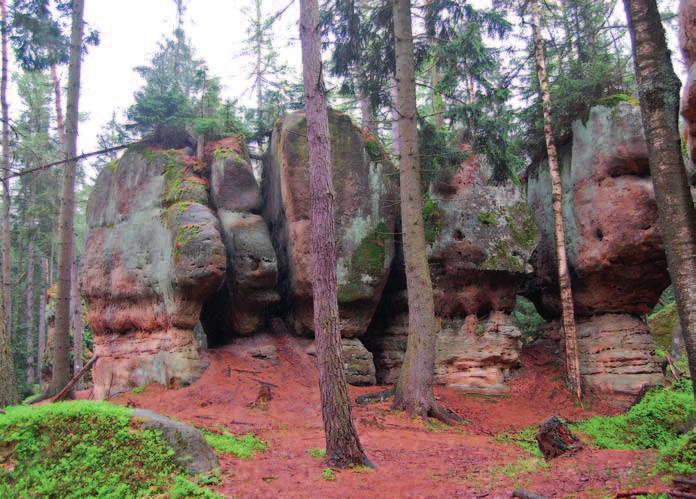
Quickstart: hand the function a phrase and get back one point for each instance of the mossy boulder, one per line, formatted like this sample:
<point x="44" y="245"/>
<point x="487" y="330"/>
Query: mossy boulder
<point x="366" y="205"/>
<point x="153" y="256"/>
<point x="483" y="235"/>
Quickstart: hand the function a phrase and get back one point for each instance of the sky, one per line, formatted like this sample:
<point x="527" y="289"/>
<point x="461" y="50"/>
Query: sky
<point x="130" y="31"/>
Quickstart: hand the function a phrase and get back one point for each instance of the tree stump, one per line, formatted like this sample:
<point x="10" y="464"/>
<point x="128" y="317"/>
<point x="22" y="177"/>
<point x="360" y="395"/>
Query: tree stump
<point x="555" y="438"/>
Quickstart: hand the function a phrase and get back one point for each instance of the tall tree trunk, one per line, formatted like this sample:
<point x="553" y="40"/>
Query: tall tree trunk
<point x="367" y="117"/>
<point x="42" y="317"/>
<point x="414" y="389"/>
<point x="258" y="48"/>
<point x="438" y="103"/>
<point x="343" y="446"/>
<point x="30" y="313"/>
<point x="8" y="383"/>
<point x="76" y="320"/>
<point x="658" y="88"/>
<point x="394" y="119"/>
<point x="568" y="310"/>
<point x="60" y="122"/>
<point x="6" y="198"/>
<point x="61" y="350"/>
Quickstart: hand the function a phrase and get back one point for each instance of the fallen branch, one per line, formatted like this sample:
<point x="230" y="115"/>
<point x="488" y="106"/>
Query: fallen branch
<point x="64" y="392"/>
<point x="673" y="368"/>
<point x="375" y="398"/>
<point x="525" y="494"/>
<point x="76" y="158"/>
<point x="634" y="493"/>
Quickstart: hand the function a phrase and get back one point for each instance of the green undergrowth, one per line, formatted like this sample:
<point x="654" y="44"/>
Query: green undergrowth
<point x="664" y="420"/>
<point x="525" y="439"/>
<point x="317" y="453"/>
<point x="86" y="449"/>
<point x="243" y="447"/>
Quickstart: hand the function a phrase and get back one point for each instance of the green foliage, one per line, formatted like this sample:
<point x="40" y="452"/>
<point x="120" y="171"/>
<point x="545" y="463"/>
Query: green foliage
<point x="487" y="218"/>
<point x="432" y="218"/>
<point x="317" y="453"/>
<point x="439" y="154"/>
<point x="679" y="456"/>
<point x="660" y="420"/>
<point x="138" y="389"/>
<point x="527" y="319"/>
<point x="85" y="449"/>
<point x="328" y="475"/>
<point x="616" y="99"/>
<point x="662" y="323"/>
<point x="368" y="258"/>
<point x="243" y="447"/>
<point x="524" y="439"/>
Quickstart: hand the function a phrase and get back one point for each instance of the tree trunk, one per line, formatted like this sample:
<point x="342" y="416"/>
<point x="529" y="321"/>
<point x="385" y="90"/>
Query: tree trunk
<point x="61" y="349"/>
<point x="6" y="199"/>
<point x="8" y="383"/>
<point x="568" y="310"/>
<point x="414" y="389"/>
<point x="659" y="88"/>
<point x="438" y="103"/>
<point x="30" y="312"/>
<point x="77" y="325"/>
<point x="42" y="317"/>
<point x="60" y="123"/>
<point x="343" y="446"/>
<point x="394" y="119"/>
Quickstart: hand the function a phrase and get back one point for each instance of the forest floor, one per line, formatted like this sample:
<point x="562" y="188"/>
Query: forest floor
<point x="412" y="458"/>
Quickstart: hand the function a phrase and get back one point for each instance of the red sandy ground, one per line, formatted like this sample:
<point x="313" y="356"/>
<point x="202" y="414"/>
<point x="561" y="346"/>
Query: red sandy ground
<point x="412" y="459"/>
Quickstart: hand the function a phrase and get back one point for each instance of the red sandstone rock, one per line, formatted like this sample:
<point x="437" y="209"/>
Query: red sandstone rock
<point x="153" y="256"/>
<point x="366" y="206"/>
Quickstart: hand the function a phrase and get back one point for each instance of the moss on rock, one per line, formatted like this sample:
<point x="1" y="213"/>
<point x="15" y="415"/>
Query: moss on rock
<point x="367" y="261"/>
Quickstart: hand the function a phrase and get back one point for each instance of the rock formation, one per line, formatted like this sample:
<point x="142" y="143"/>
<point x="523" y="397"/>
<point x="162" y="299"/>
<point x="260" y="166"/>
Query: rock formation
<point x="153" y="256"/>
<point x="366" y="209"/>
<point x="614" y="249"/>
<point x="480" y="236"/>
<point x="687" y="38"/>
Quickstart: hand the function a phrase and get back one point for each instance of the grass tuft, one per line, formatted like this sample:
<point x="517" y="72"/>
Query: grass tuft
<point x="243" y="447"/>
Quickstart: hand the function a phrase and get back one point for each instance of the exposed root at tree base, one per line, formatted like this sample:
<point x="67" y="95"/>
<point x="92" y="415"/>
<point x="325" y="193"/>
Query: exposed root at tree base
<point x="426" y="410"/>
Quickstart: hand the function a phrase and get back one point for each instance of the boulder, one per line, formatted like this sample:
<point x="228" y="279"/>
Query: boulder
<point x="480" y="235"/>
<point x="191" y="451"/>
<point x="613" y="243"/>
<point x="358" y="362"/>
<point x="615" y="253"/>
<point x="366" y="206"/>
<point x="617" y="358"/>
<point x="250" y="293"/>
<point x="153" y="256"/>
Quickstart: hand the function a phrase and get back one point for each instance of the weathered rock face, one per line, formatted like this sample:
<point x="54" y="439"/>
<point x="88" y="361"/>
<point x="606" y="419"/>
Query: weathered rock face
<point x="687" y="38"/>
<point x="612" y="239"/>
<point x="365" y="219"/>
<point x="153" y="256"/>
<point x="252" y="273"/>
<point x="481" y="236"/>
<point x="617" y="357"/>
<point x="614" y="248"/>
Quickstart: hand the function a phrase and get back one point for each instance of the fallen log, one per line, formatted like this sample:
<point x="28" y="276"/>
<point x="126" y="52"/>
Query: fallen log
<point x="71" y="384"/>
<point x="525" y="494"/>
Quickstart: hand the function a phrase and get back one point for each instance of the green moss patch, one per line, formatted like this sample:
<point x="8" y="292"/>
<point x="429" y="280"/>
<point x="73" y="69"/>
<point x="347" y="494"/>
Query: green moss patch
<point x="243" y="447"/>
<point x="662" y="420"/>
<point x="616" y="99"/>
<point x="525" y="439"/>
<point x="662" y="324"/>
<point x="432" y="218"/>
<point x="86" y="449"/>
<point x="367" y="259"/>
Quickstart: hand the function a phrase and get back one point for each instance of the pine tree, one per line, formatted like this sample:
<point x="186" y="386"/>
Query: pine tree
<point x="343" y="446"/>
<point x="658" y="88"/>
<point x="572" y="360"/>
<point x="61" y="352"/>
